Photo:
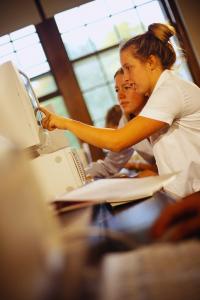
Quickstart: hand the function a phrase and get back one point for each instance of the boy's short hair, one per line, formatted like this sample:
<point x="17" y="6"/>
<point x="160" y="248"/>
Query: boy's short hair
<point x="113" y="116"/>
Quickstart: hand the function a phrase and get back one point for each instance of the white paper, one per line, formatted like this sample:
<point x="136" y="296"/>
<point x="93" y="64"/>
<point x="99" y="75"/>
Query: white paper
<point x="118" y="190"/>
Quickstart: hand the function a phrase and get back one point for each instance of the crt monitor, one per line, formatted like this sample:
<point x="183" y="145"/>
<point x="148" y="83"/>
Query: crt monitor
<point x="19" y="119"/>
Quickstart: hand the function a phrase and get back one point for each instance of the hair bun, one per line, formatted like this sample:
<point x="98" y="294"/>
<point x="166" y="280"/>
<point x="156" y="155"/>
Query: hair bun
<point x="163" y="32"/>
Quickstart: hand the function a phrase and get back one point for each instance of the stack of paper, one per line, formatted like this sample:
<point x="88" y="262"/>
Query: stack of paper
<point x="117" y="191"/>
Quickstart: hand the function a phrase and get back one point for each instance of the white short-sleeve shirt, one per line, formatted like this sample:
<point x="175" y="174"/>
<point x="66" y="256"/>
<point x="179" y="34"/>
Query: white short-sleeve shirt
<point x="177" y="147"/>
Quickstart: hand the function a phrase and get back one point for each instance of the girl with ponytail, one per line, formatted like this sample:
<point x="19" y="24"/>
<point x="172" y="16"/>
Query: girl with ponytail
<point x="170" y="118"/>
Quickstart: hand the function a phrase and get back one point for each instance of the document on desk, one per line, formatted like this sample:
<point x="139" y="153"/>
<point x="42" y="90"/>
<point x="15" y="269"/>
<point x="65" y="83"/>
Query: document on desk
<point x="118" y="190"/>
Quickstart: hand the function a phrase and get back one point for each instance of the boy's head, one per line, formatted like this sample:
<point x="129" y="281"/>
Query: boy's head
<point x="113" y="116"/>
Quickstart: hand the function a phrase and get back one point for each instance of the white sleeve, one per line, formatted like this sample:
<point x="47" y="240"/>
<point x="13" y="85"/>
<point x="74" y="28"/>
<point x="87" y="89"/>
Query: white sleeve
<point x="112" y="164"/>
<point x="165" y="104"/>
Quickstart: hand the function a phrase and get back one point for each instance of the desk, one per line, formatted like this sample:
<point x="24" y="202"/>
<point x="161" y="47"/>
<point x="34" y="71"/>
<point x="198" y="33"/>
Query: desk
<point x="116" y="229"/>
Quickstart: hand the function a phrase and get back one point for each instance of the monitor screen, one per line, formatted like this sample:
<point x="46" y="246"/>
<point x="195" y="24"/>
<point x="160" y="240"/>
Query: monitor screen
<point x="32" y="97"/>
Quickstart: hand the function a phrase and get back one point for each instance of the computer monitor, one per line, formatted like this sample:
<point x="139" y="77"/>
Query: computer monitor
<point x="19" y="119"/>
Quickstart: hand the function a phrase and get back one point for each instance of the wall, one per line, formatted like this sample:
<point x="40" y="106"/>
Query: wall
<point x="15" y="14"/>
<point x="189" y="11"/>
<point x="52" y="7"/>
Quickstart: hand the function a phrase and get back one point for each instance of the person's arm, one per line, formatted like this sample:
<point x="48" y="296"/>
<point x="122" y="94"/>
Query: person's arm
<point x="140" y="166"/>
<point x="112" y="164"/>
<point x="112" y="139"/>
<point x="180" y="220"/>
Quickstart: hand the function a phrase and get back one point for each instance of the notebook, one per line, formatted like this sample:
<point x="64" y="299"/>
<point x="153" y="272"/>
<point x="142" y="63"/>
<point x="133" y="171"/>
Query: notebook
<point x="117" y="190"/>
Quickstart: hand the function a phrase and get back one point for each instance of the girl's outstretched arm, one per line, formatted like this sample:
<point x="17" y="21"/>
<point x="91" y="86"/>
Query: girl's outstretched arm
<point x="112" y="139"/>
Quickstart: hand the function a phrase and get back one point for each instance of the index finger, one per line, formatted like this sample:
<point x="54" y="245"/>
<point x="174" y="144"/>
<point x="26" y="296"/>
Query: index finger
<point x="44" y="110"/>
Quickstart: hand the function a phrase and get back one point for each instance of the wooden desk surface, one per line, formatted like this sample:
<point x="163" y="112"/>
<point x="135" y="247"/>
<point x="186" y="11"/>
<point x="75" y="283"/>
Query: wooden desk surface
<point x="134" y="218"/>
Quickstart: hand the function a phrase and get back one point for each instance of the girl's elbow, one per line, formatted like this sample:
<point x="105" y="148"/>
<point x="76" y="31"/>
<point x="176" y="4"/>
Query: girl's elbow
<point x="117" y="147"/>
<point x="117" y="143"/>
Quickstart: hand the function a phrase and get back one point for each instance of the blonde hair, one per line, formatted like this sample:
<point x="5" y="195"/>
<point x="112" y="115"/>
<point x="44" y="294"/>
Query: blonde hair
<point x="154" y="41"/>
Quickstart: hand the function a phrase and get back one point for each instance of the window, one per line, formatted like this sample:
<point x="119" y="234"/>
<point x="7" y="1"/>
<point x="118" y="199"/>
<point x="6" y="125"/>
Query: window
<point x="25" y="50"/>
<point x="97" y="85"/>
<point x="91" y="34"/>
